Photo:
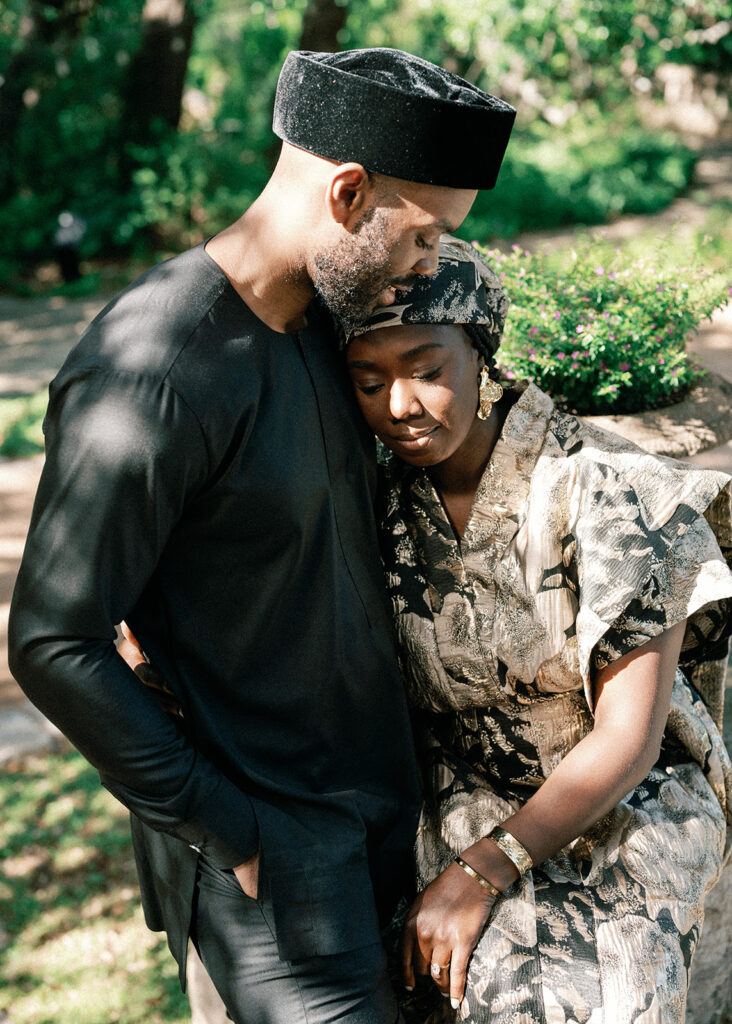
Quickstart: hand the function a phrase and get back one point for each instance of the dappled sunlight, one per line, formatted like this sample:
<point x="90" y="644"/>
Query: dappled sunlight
<point x="76" y="949"/>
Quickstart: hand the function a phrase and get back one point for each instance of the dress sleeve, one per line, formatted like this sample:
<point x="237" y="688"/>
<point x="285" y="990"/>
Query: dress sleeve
<point x="652" y="550"/>
<point x="124" y="454"/>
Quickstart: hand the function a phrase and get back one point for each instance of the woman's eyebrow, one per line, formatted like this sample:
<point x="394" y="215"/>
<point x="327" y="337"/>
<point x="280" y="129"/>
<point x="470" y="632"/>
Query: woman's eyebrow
<point x="412" y="353"/>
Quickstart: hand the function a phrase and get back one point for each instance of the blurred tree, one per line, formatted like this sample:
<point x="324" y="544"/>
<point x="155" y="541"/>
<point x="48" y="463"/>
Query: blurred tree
<point x="157" y="71"/>
<point x="322" y="23"/>
<point x="49" y="26"/>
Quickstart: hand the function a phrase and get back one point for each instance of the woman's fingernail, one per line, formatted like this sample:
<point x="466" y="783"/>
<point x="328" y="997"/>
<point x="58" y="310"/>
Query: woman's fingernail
<point x="445" y="995"/>
<point x="454" y="1003"/>
<point x="409" y="988"/>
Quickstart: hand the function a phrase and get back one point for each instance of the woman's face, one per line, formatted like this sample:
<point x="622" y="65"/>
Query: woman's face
<point x="417" y="386"/>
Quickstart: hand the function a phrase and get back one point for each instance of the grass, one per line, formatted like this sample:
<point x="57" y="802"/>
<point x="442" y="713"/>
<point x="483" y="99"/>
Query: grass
<point x="74" y="948"/>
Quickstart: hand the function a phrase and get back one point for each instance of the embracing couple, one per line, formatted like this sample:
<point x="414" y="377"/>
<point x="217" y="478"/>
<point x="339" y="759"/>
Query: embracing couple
<point x="556" y="602"/>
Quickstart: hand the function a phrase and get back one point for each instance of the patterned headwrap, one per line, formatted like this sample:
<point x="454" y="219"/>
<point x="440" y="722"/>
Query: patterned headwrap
<point x="464" y="290"/>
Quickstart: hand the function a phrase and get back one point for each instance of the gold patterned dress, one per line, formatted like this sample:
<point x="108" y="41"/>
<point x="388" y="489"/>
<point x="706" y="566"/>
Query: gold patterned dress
<point x="578" y="548"/>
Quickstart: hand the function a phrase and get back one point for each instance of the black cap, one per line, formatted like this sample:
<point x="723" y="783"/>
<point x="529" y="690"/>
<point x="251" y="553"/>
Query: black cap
<point x="395" y="114"/>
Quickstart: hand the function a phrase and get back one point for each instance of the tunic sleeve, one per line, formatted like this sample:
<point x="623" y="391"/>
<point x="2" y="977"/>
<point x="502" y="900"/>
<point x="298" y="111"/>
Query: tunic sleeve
<point x="653" y="549"/>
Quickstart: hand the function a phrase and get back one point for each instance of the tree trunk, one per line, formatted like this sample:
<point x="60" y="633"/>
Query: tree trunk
<point x="157" y="72"/>
<point x="321" y="23"/>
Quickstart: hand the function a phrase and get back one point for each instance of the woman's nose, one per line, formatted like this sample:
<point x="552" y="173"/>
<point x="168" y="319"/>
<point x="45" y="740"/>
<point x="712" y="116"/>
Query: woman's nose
<point x="403" y="402"/>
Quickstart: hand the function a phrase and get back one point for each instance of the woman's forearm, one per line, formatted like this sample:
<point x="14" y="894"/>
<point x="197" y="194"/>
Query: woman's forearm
<point x="633" y="698"/>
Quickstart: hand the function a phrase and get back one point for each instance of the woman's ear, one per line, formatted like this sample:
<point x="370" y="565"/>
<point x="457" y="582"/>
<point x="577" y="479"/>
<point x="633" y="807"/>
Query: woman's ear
<point x="348" y="194"/>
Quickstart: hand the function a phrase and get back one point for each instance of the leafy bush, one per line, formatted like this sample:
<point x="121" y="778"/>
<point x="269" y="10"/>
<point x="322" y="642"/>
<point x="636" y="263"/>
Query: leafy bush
<point x="21" y="422"/>
<point x="584" y="174"/>
<point x="600" y="333"/>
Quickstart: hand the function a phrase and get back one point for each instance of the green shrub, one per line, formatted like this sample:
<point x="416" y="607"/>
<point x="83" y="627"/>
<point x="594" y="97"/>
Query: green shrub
<point x="601" y="333"/>
<point x="582" y="174"/>
<point x="21" y="422"/>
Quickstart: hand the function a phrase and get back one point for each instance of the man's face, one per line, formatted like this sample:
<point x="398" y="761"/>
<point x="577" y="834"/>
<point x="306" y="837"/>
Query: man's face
<point x="396" y="240"/>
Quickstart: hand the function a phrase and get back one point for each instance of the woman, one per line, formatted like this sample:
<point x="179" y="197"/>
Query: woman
<point x="547" y="579"/>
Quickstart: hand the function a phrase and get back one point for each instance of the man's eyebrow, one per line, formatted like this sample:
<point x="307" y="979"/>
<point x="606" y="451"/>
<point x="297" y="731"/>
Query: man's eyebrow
<point x="412" y="353"/>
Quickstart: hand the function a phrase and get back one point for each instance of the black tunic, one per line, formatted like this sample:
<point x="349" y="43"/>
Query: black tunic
<point x="209" y="480"/>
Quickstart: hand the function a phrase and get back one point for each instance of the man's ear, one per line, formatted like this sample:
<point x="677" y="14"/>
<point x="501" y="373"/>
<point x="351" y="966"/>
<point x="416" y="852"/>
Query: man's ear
<point x="348" y="195"/>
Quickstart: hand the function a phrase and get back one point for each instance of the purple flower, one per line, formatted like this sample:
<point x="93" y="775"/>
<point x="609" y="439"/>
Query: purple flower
<point x="532" y="356"/>
<point x="661" y="360"/>
<point x="502" y="275"/>
<point x="600" y="271"/>
<point x="612" y="388"/>
<point x="624" y="366"/>
<point x="612" y="275"/>
<point x="560" y="355"/>
<point x="557" y="315"/>
<point x="575" y="354"/>
<point x="573" y="366"/>
<point x="606" y="315"/>
<point x="611" y="337"/>
<point x="510" y="374"/>
<point x="586" y="353"/>
<point x="580" y="328"/>
<point x="533" y="331"/>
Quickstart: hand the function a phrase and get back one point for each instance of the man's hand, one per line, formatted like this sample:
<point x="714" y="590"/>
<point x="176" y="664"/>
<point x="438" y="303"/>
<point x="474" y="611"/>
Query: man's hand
<point x="443" y="928"/>
<point x="248" y="876"/>
<point x="129" y="649"/>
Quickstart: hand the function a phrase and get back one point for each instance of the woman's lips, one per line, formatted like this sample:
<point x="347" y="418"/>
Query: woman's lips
<point x="414" y="442"/>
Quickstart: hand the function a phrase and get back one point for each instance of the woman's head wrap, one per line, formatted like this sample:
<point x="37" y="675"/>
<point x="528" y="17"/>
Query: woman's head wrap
<point x="395" y="114"/>
<point x="464" y="290"/>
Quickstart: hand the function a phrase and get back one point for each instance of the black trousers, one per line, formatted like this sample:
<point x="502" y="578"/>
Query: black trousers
<point x="235" y="938"/>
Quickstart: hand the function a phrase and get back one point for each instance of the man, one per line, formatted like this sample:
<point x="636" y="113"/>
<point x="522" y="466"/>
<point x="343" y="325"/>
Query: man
<point x="208" y="480"/>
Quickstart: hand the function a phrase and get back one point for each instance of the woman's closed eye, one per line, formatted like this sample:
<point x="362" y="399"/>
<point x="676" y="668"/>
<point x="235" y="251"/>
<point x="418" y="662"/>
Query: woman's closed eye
<point x="368" y="389"/>
<point x="431" y="374"/>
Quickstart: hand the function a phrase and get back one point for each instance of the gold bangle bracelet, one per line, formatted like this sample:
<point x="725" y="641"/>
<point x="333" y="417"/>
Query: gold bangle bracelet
<point x="508" y="844"/>
<point x="478" y="877"/>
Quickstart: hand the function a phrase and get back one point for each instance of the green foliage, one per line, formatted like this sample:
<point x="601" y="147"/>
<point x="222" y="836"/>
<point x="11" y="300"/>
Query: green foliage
<point x="75" y="949"/>
<point x="21" y="420"/>
<point x="580" y="176"/>
<point x="573" y="69"/>
<point x="601" y="333"/>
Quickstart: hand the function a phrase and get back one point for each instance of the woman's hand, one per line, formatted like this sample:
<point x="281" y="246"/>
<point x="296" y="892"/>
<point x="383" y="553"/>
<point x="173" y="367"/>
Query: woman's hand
<point x="442" y="930"/>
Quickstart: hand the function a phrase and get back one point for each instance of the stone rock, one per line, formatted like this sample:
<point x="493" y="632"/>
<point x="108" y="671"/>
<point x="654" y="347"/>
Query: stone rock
<point x="701" y="421"/>
<point x="710" y="991"/>
<point x="23" y="731"/>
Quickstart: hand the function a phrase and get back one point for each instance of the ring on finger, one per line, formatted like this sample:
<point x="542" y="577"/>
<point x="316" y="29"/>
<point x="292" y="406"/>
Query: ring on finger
<point x="437" y="969"/>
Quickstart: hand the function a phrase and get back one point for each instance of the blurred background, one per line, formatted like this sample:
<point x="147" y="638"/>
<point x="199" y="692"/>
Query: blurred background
<point x="149" y="122"/>
<point x="132" y="129"/>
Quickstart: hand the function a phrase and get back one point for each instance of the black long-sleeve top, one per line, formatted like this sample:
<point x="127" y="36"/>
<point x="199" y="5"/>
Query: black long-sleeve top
<point x="208" y="480"/>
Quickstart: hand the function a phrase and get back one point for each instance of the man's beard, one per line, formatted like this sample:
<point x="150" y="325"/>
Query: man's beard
<point x="350" y="276"/>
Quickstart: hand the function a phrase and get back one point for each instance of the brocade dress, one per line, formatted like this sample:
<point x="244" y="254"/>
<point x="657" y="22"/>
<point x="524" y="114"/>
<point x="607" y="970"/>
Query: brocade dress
<point x="579" y="547"/>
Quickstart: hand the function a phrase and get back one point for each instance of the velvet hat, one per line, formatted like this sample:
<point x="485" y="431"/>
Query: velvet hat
<point x="395" y="114"/>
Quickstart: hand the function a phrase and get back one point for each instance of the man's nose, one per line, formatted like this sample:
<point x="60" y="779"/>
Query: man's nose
<point x="427" y="264"/>
<point x="402" y="401"/>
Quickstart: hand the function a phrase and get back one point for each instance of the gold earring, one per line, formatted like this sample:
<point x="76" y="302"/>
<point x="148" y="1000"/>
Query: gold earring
<point x="489" y="393"/>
